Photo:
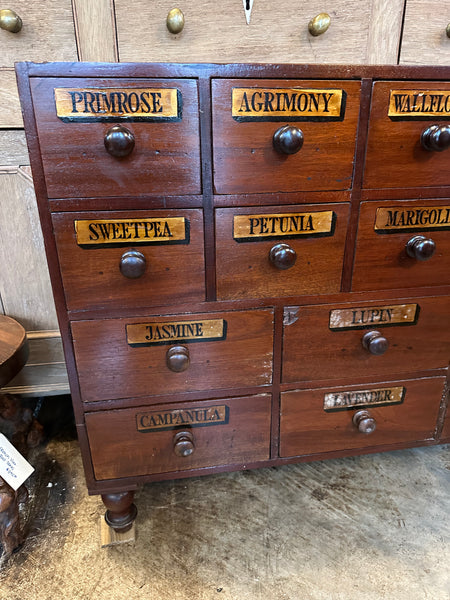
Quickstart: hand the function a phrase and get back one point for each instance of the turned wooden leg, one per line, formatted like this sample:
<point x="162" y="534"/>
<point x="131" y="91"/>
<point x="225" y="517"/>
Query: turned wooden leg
<point x="121" y="511"/>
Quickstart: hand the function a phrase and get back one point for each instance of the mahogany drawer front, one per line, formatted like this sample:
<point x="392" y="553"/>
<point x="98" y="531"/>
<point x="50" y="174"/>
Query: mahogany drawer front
<point x="388" y="249"/>
<point x="395" y="157"/>
<point x="251" y="251"/>
<point x="306" y="428"/>
<point x="326" y="342"/>
<point x="143" y="440"/>
<point x="130" y="259"/>
<point x="223" y="350"/>
<point x="245" y="159"/>
<point x="166" y="156"/>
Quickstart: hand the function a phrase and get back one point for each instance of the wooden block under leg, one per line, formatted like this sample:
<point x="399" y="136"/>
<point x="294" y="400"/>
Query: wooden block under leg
<point x="109" y="537"/>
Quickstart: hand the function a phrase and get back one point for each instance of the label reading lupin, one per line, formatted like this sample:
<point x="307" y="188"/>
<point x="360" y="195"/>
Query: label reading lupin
<point x="419" y="104"/>
<point x="248" y="228"/>
<point x="116" y="104"/>
<point x="361" y="398"/>
<point x="368" y="316"/>
<point x="123" y="232"/>
<point x="392" y="219"/>
<point x="188" y="417"/>
<point x="156" y="333"/>
<point x="294" y="104"/>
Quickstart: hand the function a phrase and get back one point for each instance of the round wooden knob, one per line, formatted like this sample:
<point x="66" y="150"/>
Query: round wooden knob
<point x="177" y="358"/>
<point x="183" y="443"/>
<point x="119" y="141"/>
<point x="319" y="24"/>
<point x="364" y="421"/>
<point x="288" y="139"/>
<point x="436" y="138"/>
<point x="10" y="21"/>
<point x="132" y="264"/>
<point x="375" y="343"/>
<point x="420" y="247"/>
<point x="175" y="20"/>
<point x="282" y="256"/>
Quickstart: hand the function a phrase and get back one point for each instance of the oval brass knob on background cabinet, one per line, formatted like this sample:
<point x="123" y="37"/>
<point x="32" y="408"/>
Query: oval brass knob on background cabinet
<point x="420" y="247"/>
<point x="319" y="24"/>
<point x="436" y="138"/>
<point x="375" y="343"/>
<point x="10" y="21"/>
<point x="177" y="358"/>
<point x="119" y="141"/>
<point x="175" y="20"/>
<point x="364" y="421"/>
<point x="132" y="264"/>
<point x="447" y="30"/>
<point x="183" y="443"/>
<point x="282" y="256"/>
<point x="287" y="139"/>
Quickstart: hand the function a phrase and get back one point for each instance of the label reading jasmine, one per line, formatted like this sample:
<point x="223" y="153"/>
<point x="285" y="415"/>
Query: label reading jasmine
<point x="189" y="417"/>
<point x="362" y="398"/>
<point x="247" y="228"/>
<point x="419" y="104"/>
<point x="155" y="333"/>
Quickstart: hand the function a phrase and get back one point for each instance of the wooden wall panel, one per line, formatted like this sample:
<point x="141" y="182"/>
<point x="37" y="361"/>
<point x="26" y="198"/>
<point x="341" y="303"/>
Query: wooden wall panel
<point x="95" y="30"/>
<point x="424" y="39"/>
<point x="10" y="112"/>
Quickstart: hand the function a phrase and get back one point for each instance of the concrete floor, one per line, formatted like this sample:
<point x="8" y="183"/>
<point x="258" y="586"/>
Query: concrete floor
<point x="372" y="527"/>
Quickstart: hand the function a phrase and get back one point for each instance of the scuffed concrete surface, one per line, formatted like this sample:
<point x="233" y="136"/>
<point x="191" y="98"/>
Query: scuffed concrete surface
<point x="372" y="527"/>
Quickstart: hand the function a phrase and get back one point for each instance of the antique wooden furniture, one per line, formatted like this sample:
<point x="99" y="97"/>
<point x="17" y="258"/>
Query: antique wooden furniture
<point x="250" y="262"/>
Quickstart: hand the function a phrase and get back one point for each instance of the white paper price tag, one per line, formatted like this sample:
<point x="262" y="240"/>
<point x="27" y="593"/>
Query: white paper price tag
<point x="14" y="469"/>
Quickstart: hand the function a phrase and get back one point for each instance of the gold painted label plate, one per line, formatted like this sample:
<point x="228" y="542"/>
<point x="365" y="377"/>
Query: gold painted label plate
<point x="123" y="232"/>
<point x="117" y="104"/>
<point x="177" y="418"/>
<point x="247" y="228"/>
<point x="293" y="104"/>
<point x="393" y="219"/>
<point x="419" y="104"/>
<point x="156" y="333"/>
<point x="370" y="316"/>
<point x="361" y="398"/>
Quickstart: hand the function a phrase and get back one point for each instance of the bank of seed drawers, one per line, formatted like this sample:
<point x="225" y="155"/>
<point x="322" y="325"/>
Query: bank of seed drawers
<point x="254" y="389"/>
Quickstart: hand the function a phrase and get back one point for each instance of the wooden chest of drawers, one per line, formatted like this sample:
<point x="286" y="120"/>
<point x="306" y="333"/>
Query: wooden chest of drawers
<point x="250" y="263"/>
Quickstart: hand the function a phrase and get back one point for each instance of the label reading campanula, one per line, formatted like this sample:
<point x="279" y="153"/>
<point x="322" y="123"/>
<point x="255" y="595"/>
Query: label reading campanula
<point x="391" y="220"/>
<point x="247" y="228"/>
<point x="156" y="333"/>
<point x="419" y="104"/>
<point x="115" y="104"/>
<point x="295" y="104"/>
<point x="361" y="398"/>
<point x="360" y="318"/>
<point x="116" y="232"/>
<point x="189" y="417"/>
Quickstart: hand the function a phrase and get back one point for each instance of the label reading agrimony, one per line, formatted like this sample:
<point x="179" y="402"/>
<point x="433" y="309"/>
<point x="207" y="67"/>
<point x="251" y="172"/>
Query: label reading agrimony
<point x="361" y="398"/>
<point x="247" y="228"/>
<point x="116" y="232"/>
<point x="188" y="417"/>
<point x="115" y="104"/>
<point x="381" y="316"/>
<point x="391" y="220"/>
<point x="155" y="333"/>
<point x="295" y="104"/>
<point x="419" y="104"/>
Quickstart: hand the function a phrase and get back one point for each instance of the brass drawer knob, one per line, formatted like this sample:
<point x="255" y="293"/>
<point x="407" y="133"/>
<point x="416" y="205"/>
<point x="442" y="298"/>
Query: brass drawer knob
<point x="183" y="443"/>
<point x="287" y="139"/>
<point x="375" y="343"/>
<point x="177" y="358"/>
<point x="420" y="247"/>
<point x="10" y="21"/>
<point x="436" y="138"/>
<point x="364" y="421"/>
<point x="119" y="141"/>
<point x="132" y="264"/>
<point x="175" y="21"/>
<point x="447" y="30"/>
<point x="319" y="24"/>
<point x="282" y="256"/>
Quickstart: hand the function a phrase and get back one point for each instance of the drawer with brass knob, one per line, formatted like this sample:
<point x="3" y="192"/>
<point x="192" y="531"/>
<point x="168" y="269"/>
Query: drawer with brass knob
<point x="362" y="417"/>
<point x="130" y="259"/>
<point x="365" y="339"/>
<point x="402" y="244"/>
<point x="178" y="437"/>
